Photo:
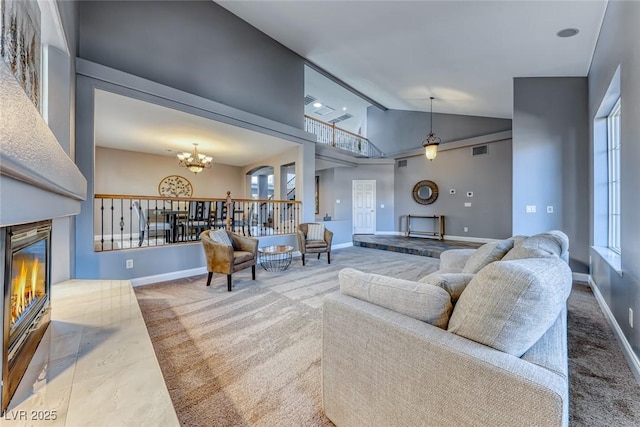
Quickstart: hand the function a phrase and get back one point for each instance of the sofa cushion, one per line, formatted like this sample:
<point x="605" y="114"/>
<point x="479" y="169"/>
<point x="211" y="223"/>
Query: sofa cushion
<point x="315" y="232"/>
<point x="509" y="305"/>
<point x="486" y="254"/>
<point x="541" y="245"/>
<point x="220" y="236"/>
<point x="453" y="283"/>
<point x="421" y="301"/>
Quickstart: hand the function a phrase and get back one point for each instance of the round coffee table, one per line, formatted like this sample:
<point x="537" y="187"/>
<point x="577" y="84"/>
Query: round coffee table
<point x="276" y="257"/>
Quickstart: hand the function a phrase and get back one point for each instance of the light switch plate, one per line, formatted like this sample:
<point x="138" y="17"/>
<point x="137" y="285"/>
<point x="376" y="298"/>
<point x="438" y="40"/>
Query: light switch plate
<point x="530" y="209"/>
<point x="467" y="204"/>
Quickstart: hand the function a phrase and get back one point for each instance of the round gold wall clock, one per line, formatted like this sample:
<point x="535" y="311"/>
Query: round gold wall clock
<point x="175" y="186"/>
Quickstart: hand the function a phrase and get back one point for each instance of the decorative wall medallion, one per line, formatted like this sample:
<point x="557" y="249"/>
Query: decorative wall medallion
<point x="425" y="192"/>
<point x="175" y="186"/>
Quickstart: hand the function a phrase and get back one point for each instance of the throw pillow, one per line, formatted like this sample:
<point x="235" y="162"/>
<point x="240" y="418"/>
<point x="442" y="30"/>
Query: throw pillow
<point x="421" y="301"/>
<point x="509" y="305"/>
<point x="453" y="283"/>
<point x="220" y="236"/>
<point x="541" y="245"/>
<point x="315" y="232"/>
<point x="486" y="254"/>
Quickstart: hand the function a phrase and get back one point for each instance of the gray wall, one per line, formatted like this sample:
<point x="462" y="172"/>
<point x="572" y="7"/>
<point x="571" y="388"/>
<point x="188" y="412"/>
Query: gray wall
<point x="394" y="131"/>
<point x="342" y="184"/>
<point x="550" y="160"/>
<point x="618" y="46"/>
<point x="198" y="47"/>
<point x="61" y="120"/>
<point x="488" y="176"/>
<point x="336" y="184"/>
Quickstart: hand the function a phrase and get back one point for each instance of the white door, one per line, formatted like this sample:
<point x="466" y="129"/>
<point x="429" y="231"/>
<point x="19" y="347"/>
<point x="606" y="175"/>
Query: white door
<point x="364" y="207"/>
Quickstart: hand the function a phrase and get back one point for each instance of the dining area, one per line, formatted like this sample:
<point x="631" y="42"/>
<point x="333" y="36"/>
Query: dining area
<point x="129" y="222"/>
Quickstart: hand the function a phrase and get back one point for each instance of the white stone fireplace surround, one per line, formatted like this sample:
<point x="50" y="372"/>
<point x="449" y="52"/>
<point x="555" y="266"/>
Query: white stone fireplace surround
<point x="38" y="180"/>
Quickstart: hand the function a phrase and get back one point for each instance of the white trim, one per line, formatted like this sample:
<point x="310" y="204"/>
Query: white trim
<point x="470" y="239"/>
<point x="140" y="281"/>
<point x="342" y="245"/>
<point x="389" y="233"/>
<point x="627" y="350"/>
<point x="54" y="35"/>
<point x="610" y="257"/>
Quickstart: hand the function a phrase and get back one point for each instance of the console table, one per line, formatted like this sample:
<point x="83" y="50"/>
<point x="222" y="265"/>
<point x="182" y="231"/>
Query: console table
<point x="437" y="231"/>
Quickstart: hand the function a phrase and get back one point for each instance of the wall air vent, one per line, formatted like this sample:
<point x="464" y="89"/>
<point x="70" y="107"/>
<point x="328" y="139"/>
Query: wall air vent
<point x="480" y="149"/>
<point x="323" y="111"/>
<point x="402" y="163"/>
<point x="309" y="99"/>
<point x="342" y="118"/>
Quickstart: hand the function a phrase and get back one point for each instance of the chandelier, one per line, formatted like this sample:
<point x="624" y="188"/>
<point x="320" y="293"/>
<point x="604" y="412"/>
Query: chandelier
<point x="194" y="161"/>
<point x="431" y="143"/>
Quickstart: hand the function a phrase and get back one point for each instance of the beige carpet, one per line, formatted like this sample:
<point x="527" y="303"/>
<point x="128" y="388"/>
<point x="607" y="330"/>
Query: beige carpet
<point x="251" y="357"/>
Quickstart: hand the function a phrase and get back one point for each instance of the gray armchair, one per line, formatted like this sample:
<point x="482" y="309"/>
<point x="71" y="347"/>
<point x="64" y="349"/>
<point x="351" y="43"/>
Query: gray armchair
<point x="307" y="246"/>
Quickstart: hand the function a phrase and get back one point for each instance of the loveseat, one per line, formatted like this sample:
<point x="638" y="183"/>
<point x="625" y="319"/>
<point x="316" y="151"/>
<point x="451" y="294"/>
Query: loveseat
<point x="485" y="347"/>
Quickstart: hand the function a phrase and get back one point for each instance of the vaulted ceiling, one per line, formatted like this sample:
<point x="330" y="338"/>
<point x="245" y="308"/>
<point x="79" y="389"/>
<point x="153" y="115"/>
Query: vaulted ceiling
<point x="463" y="53"/>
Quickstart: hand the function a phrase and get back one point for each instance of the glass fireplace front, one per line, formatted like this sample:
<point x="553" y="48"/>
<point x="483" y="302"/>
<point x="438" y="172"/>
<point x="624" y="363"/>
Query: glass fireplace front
<point x="28" y="286"/>
<point x="27" y="311"/>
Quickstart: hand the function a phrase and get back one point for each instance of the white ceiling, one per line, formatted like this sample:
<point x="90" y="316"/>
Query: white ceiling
<point x="129" y="124"/>
<point x="464" y="53"/>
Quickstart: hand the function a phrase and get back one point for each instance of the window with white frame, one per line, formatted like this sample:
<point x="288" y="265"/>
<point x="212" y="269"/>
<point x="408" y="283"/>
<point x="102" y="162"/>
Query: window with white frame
<point x="613" y="160"/>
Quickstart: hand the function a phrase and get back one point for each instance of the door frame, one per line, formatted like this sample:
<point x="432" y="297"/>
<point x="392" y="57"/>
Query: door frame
<point x="353" y="204"/>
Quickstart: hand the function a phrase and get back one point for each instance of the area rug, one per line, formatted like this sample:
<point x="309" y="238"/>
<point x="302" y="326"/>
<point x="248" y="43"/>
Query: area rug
<point x="251" y="357"/>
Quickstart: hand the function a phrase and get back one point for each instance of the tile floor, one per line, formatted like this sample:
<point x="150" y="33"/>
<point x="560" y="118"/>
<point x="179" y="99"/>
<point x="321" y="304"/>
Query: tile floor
<point x="95" y="365"/>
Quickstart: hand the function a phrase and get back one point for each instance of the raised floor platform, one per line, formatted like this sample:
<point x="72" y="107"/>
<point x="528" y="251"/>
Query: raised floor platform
<point x="411" y="245"/>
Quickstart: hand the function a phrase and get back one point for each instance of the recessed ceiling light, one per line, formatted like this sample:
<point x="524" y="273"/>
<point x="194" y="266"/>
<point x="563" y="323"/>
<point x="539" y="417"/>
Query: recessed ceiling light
<point x="344" y="108"/>
<point x="317" y="104"/>
<point x="567" y="32"/>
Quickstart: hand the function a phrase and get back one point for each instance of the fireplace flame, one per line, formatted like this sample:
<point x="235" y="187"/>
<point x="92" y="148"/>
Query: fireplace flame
<point x="24" y="289"/>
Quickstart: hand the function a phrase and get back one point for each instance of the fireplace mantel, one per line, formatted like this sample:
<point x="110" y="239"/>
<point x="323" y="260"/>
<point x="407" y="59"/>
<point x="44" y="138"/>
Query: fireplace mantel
<point x="38" y="180"/>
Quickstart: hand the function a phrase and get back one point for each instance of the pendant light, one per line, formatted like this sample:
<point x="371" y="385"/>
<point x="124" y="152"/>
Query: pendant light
<point x="431" y="143"/>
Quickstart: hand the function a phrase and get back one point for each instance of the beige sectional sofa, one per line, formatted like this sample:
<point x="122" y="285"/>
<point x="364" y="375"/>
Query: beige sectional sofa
<point x="485" y="346"/>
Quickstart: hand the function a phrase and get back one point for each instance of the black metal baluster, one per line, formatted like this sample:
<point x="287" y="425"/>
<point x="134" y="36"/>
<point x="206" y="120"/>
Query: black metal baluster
<point x="112" y="239"/>
<point x="121" y="223"/>
<point x="130" y="223"/>
<point x="102" y="224"/>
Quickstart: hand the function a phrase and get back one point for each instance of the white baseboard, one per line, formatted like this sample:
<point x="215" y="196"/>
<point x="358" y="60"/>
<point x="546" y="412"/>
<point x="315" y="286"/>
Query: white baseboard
<point x="140" y="281"/>
<point x="470" y="239"/>
<point x="627" y="350"/>
<point x="342" y="245"/>
<point x="389" y="233"/>
<point x="581" y="277"/>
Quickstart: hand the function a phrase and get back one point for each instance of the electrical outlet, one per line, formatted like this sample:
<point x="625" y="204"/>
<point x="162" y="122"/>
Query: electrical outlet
<point x="530" y="209"/>
<point x="452" y="191"/>
<point x="630" y="317"/>
<point x="469" y="193"/>
<point x="466" y="229"/>
<point x="129" y="263"/>
<point x="549" y="209"/>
